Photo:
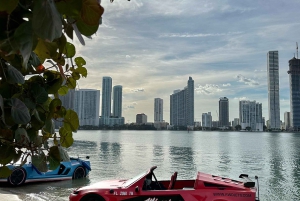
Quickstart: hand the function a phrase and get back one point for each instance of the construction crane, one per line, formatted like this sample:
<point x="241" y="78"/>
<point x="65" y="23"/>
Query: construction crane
<point x="297" y="49"/>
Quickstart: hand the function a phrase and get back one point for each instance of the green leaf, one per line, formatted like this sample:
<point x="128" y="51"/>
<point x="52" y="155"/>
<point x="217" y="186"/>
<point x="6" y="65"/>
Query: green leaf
<point x="49" y="126"/>
<point x="71" y="82"/>
<point x="91" y="12"/>
<point x="85" y="29"/>
<point x="34" y="60"/>
<point x="63" y="90"/>
<point x="32" y="134"/>
<point x="80" y="62"/>
<point x="39" y="161"/>
<point x="29" y="103"/>
<point x="61" y="43"/>
<point x="21" y="136"/>
<point x="39" y="93"/>
<point x="54" y="81"/>
<point x="19" y="112"/>
<point x="82" y="71"/>
<point x="72" y="118"/>
<point x="7" y="153"/>
<point x="14" y="76"/>
<point x="46" y="50"/>
<point x="63" y="154"/>
<point x="54" y="157"/>
<point x="5" y="172"/>
<point x="46" y="20"/>
<point x="76" y="75"/>
<point x="8" y="6"/>
<point x="66" y="138"/>
<point x="70" y="8"/>
<point x="55" y="105"/>
<point x="69" y="50"/>
<point x="24" y="37"/>
<point x="1" y="108"/>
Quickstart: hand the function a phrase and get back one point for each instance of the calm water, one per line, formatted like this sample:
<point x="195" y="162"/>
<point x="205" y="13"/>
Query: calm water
<point x="274" y="157"/>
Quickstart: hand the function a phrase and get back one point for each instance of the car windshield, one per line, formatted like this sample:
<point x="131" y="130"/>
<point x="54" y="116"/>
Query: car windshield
<point x="134" y="179"/>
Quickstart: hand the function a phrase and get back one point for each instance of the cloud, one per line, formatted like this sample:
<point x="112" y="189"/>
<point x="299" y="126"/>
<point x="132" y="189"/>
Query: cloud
<point x="260" y="70"/>
<point x="187" y="35"/>
<point x="131" y="106"/>
<point x="137" y="90"/>
<point x="208" y="89"/>
<point x="227" y="85"/>
<point x="247" y="81"/>
<point x="241" y="98"/>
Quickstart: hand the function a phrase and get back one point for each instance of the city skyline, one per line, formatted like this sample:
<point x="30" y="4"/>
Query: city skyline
<point x="151" y="47"/>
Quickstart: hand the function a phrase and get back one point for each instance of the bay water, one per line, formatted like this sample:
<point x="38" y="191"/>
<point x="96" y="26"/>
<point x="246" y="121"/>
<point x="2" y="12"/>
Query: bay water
<point x="273" y="157"/>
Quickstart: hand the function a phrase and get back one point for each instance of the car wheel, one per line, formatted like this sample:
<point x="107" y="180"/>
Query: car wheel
<point x="17" y="177"/>
<point x="92" y="197"/>
<point x="79" y="173"/>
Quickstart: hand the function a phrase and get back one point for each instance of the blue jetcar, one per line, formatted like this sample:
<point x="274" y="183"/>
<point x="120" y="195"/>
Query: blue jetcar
<point x="73" y="169"/>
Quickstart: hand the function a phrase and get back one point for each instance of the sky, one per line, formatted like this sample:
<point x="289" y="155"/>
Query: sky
<point x="152" y="47"/>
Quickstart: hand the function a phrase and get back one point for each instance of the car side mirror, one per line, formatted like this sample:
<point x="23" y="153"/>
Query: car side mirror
<point x="137" y="189"/>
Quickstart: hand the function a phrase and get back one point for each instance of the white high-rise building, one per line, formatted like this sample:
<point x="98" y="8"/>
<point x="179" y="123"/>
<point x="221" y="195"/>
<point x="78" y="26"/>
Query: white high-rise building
<point x="251" y="115"/>
<point x="206" y="120"/>
<point x="182" y="106"/>
<point x="106" y="100"/>
<point x="158" y="110"/>
<point x="117" y="101"/>
<point x="87" y="106"/>
<point x="273" y="89"/>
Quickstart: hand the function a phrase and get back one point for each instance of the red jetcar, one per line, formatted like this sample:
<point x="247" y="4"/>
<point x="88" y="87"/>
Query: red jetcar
<point x="146" y="187"/>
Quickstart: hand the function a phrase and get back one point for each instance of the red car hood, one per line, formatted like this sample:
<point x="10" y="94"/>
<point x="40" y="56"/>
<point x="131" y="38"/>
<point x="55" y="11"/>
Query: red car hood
<point x="108" y="184"/>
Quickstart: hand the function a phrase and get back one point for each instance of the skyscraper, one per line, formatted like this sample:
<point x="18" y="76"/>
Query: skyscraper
<point x="223" y="112"/>
<point x="251" y="115"/>
<point x="206" y="120"/>
<point x="287" y="120"/>
<point x="141" y="118"/>
<point x="182" y="106"/>
<point x="68" y="102"/>
<point x="87" y="106"/>
<point x="273" y="89"/>
<point x="158" y="110"/>
<point x="117" y="101"/>
<point x="294" y="72"/>
<point x="106" y="97"/>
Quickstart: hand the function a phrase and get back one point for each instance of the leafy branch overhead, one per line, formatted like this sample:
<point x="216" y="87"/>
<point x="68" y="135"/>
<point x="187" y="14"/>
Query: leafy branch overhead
<point x="37" y="64"/>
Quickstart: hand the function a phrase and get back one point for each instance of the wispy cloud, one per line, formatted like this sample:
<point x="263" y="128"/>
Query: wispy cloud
<point x="241" y="98"/>
<point x="247" y="81"/>
<point x="137" y="90"/>
<point x="208" y="89"/>
<point x="227" y="85"/>
<point x="187" y="35"/>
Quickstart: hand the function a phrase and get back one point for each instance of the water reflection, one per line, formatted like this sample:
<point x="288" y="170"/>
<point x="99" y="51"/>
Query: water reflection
<point x="182" y="160"/>
<point x="224" y="145"/>
<point x="274" y="157"/>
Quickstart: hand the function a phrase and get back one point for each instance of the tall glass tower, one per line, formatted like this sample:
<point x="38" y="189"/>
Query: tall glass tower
<point x="294" y="72"/>
<point x="273" y="90"/>
<point x="117" y="101"/>
<point x="223" y="112"/>
<point x="106" y="97"/>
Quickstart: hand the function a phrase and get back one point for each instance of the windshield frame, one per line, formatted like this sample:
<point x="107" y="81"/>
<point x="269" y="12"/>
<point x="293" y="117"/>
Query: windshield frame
<point x="131" y="181"/>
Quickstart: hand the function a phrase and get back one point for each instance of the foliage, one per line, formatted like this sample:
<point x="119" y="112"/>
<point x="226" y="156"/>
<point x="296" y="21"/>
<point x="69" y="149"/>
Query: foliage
<point x="37" y="64"/>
